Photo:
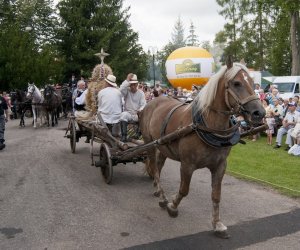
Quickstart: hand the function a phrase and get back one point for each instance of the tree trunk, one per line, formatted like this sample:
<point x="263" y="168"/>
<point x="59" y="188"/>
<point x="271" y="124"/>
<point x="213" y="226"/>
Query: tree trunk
<point x="295" y="43"/>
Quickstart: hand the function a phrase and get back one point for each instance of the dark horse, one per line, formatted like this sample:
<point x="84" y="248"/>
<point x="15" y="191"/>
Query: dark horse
<point x="66" y="94"/>
<point x="21" y="104"/>
<point x="52" y="104"/>
<point x="229" y="92"/>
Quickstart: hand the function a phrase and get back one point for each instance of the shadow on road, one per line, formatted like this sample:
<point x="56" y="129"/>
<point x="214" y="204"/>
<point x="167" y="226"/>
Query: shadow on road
<point x="242" y="235"/>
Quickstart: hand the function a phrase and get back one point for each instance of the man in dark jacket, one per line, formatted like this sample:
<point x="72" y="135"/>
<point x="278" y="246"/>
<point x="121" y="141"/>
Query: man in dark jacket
<point x="3" y="119"/>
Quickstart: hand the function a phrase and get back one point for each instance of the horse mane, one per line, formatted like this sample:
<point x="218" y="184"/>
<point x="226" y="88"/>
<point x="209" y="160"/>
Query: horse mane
<point x="207" y="95"/>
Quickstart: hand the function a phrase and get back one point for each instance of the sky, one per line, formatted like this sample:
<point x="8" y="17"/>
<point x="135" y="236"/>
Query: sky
<point x="154" y="20"/>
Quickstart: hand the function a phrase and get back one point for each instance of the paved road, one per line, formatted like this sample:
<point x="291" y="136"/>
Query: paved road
<point x="53" y="199"/>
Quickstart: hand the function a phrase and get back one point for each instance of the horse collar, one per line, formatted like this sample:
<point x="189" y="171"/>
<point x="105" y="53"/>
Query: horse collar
<point x="212" y="138"/>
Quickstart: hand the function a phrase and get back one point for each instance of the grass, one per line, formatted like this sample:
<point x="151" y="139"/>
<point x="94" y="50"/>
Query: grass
<point x="259" y="162"/>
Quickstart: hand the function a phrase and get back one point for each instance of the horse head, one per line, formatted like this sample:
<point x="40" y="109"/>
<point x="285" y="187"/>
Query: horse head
<point x="239" y="93"/>
<point x="30" y="90"/>
<point x="48" y="91"/>
<point x="231" y="92"/>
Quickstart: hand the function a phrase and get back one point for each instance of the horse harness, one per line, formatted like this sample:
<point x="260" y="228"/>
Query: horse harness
<point x="213" y="137"/>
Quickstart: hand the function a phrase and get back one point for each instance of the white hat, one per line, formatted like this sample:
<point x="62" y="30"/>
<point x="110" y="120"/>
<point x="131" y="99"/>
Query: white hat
<point x="111" y="79"/>
<point x="133" y="79"/>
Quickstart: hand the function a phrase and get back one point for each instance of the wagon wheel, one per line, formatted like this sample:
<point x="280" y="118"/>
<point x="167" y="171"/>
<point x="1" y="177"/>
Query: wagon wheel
<point x="73" y="136"/>
<point x="105" y="163"/>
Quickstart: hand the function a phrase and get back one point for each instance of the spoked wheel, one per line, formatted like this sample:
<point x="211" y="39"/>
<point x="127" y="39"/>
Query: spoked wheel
<point x="105" y="163"/>
<point x="73" y="136"/>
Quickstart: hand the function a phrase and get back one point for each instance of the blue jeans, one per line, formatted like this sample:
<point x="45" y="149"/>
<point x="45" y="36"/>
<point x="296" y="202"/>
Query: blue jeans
<point x="2" y="128"/>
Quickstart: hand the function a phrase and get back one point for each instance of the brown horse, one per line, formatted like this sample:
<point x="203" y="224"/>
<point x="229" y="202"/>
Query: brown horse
<point x="229" y="92"/>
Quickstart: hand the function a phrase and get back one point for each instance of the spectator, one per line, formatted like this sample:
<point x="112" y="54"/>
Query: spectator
<point x="285" y="107"/>
<point x="3" y="119"/>
<point x="158" y="87"/>
<point x="179" y="92"/>
<point x="256" y="89"/>
<point x="295" y="134"/>
<point x="155" y="93"/>
<point x="261" y="94"/>
<point x="288" y="123"/>
<point x="72" y="82"/>
<point x="296" y="100"/>
<point x="269" y="120"/>
<point x="278" y="115"/>
<point x="273" y="96"/>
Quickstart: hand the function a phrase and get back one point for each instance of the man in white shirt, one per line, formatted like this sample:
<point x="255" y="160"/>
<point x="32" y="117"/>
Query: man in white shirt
<point x="288" y="123"/>
<point x="78" y="96"/>
<point x="134" y="103"/>
<point x="79" y="100"/>
<point x="110" y="103"/>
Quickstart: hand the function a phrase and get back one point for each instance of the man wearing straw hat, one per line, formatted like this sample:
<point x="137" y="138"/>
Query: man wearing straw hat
<point x="134" y="103"/>
<point x="110" y="104"/>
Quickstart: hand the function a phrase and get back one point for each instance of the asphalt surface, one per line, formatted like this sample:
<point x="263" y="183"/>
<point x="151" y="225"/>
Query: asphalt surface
<point x="53" y="199"/>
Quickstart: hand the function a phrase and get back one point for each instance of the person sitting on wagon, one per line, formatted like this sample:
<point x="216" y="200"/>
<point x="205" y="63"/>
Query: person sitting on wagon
<point x="110" y="104"/>
<point x="134" y="103"/>
<point x="79" y="100"/>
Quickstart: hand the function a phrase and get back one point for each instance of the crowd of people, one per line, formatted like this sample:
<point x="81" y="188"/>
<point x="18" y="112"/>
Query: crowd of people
<point x="282" y="118"/>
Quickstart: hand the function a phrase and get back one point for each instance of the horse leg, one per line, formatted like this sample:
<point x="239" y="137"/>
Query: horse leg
<point x="57" y="113"/>
<point x="41" y="113"/>
<point x="52" y="117"/>
<point x="160" y="161"/>
<point x="185" y="179"/>
<point x="48" y="117"/>
<point x="34" y="116"/>
<point x="152" y="170"/>
<point x="22" y="119"/>
<point x="220" y="229"/>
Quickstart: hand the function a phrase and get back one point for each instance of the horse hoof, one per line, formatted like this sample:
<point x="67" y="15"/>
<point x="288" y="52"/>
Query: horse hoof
<point x="222" y="234"/>
<point x="163" y="204"/>
<point x="173" y="212"/>
<point x="156" y="193"/>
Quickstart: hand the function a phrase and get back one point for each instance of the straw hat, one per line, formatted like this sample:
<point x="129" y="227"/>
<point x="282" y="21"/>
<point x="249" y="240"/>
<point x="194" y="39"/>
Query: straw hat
<point x="111" y="79"/>
<point x="133" y="80"/>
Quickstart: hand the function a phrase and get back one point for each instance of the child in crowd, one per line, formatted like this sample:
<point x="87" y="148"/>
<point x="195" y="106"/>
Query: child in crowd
<point x="270" y="120"/>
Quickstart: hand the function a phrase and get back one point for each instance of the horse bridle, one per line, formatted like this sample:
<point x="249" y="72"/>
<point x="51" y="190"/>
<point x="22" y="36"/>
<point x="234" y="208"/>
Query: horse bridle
<point x="31" y="94"/>
<point x="239" y="106"/>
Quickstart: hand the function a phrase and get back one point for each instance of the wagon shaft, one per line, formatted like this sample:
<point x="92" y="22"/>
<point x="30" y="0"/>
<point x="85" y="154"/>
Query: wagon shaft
<point x="142" y="149"/>
<point x="254" y="131"/>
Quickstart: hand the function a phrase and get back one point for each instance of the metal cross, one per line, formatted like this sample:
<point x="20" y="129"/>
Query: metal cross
<point x="102" y="55"/>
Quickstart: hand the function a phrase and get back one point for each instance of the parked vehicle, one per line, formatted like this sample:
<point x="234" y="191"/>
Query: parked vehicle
<point x="288" y="86"/>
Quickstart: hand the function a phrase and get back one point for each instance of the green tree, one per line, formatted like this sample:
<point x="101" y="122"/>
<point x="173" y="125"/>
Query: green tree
<point x="231" y="13"/>
<point x="192" y="39"/>
<point x="177" y="41"/>
<point x="292" y="8"/>
<point x="25" y="56"/>
<point x="265" y="33"/>
<point x="89" y="25"/>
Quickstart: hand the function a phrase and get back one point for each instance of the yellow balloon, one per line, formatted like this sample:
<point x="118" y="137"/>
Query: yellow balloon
<point x="189" y="65"/>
